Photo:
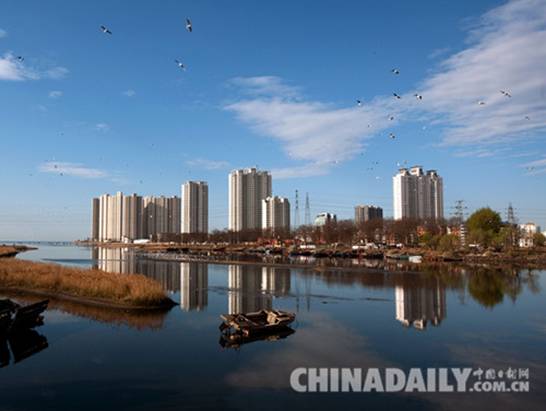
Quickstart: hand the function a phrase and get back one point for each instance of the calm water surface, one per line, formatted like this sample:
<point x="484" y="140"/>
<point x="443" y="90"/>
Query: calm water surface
<point x="103" y="360"/>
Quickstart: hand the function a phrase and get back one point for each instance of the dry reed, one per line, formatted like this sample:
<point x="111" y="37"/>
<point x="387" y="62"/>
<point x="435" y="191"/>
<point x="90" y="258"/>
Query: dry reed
<point x="126" y="289"/>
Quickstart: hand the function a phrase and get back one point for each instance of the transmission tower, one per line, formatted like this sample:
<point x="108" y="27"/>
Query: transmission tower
<point x="307" y="210"/>
<point x="297" y="211"/>
<point x="510" y="215"/>
<point x="459" y="213"/>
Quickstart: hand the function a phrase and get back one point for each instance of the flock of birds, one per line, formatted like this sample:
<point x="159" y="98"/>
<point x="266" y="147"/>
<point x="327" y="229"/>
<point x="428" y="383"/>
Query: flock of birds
<point x="359" y="102"/>
<point x="418" y="96"/>
<point x="189" y="28"/>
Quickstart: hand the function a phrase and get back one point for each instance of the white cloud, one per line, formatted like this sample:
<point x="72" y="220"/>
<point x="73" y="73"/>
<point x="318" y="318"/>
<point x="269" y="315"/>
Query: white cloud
<point x="12" y="69"/>
<point x="207" y="164"/>
<point x="3" y="33"/>
<point x="506" y="52"/>
<point x="129" y="93"/>
<point x="318" y="134"/>
<point x="56" y="72"/>
<point x="71" y="169"/>
<point x="103" y="127"/>
<point x="264" y="85"/>
<point x="55" y="94"/>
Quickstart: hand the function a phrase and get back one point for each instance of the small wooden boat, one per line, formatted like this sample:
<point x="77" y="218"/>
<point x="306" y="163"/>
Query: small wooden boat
<point x="237" y="340"/>
<point x="261" y="322"/>
<point x="15" y="317"/>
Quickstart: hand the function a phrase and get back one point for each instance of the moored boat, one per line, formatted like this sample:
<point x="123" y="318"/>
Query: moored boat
<point x="261" y="322"/>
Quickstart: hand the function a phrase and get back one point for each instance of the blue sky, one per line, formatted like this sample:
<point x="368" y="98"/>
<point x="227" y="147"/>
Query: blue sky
<point x="272" y="84"/>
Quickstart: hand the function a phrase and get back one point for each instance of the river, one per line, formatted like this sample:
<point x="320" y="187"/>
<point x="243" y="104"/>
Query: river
<point x="450" y="318"/>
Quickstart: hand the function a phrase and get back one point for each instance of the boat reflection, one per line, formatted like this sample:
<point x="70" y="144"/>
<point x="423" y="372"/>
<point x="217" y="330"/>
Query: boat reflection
<point x="20" y="345"/>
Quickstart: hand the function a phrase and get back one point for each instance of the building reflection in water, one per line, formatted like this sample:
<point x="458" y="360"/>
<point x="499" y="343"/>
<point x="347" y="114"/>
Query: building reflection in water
<point x="420" y="303"/>
<point x="194" y="284"/>
<point x="252" y="288"/>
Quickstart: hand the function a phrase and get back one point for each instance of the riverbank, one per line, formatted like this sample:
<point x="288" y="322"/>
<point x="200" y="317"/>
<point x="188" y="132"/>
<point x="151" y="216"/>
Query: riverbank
<point x="7" y="251"/>
<point x="85" y="286"/>
<point x="329" y="256"/>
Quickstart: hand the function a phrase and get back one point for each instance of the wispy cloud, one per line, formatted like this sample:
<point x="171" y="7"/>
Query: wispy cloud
<point x="506" y="52"/>
<point x="264" y="86"/>
<point x="102" y="127"/>
<point x="207" y="164"/>
<point x="11" y="69"/>
<point x="55" y="94"/>
<point x="71" y="169"/>
<point x="129" y="93"/>
<point x="3" y="33"/>
<point x="317" y="133"/>
<point x="535" y="167"/>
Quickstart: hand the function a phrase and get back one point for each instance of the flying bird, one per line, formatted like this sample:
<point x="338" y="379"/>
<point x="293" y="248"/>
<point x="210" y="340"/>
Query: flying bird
<point x="20" y="58"/>
<point x="359" y="103"/>
<point x="481" y="103"/>
<point x="527" y="118"/>
<point x="505" y="93"/>
<point x="418" y="96"/>
<point x="391" y="118"/>
<point x="392" y="136"/>
<point x="397" y="96"/>
<point x="179" y="64"/>
<point x="395" y="71"/>
<point x="105" y="30"/>
<point x="188" y="25"/>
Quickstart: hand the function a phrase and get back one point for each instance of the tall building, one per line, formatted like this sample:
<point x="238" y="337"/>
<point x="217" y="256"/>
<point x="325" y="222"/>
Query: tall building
<point x="275" y="213"/>
<point x="95" y="219"/>
<point x="365" y="213"/>
<point x="417" y="194"/>
<point x="131" y="217"/>
<point x="110" y="217"/>
<point x="195" y="207"/>
<point x="247" y="188"/>
<point x="161" y="215"/>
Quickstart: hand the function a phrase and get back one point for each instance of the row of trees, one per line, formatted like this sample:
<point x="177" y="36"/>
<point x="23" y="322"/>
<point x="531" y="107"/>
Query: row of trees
<point x="484" y="227"/>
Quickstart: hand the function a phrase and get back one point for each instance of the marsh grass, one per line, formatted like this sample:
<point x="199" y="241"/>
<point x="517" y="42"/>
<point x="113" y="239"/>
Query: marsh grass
<point x="126" y="289"/>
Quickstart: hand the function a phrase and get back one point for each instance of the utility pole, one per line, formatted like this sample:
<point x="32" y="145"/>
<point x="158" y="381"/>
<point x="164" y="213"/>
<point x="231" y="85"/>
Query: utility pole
<point x="307" y="210"/>
<point x="297" y="211"/>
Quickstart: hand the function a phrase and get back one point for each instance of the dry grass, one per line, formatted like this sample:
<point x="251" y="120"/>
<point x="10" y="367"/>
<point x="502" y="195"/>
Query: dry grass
<point x="7" y="251"/>
<point x="126" y="289"/>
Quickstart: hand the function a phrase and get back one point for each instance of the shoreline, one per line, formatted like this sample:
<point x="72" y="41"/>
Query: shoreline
<point x="86" y="301"/>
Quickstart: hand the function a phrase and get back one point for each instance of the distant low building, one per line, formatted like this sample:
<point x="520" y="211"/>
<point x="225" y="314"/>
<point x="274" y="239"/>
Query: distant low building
<point x="325" y="218"/>
<point x="527" y="230"/>
<point x="364" y="213"/>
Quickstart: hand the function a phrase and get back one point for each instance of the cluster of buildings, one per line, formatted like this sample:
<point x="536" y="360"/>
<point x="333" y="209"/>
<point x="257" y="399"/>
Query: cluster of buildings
<point x="252" y="206"/>
<point x="133" y="217"/>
